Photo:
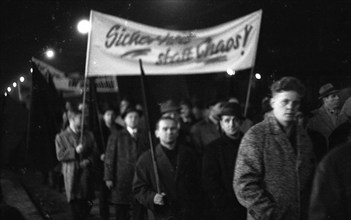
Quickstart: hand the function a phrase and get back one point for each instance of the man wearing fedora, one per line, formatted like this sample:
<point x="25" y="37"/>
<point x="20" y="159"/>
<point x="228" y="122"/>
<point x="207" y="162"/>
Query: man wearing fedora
<point x="326" y="118"/>
<point x="123" y="149"/>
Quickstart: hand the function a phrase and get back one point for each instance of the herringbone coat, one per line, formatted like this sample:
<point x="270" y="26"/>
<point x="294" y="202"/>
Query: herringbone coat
<point x="272" y="179"/>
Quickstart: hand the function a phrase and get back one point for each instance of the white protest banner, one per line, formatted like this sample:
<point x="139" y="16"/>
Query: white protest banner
<point x="74" y="84"/>
<point x="45" y="68"/>
<point x="115" y="46"/>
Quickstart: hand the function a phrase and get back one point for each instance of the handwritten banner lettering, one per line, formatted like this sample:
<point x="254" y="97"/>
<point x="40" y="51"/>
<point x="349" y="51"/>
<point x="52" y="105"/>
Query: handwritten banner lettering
<point x="115" y="45"/>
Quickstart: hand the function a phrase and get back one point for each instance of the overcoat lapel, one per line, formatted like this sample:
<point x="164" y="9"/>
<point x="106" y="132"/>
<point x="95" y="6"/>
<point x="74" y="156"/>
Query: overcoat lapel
<point x="326" y="119"/>
<point x="281" y="138"/>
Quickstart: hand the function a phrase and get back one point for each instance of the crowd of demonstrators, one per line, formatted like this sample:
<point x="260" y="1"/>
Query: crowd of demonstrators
<point x="76" y="155"/>
<point x="213" y="163"/>
<point x="275" y="162"/>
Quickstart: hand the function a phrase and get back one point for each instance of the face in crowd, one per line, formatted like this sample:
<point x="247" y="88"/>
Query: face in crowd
<point x="285" y="105"/>
<point x="167" y="131"/>
<point x="331" y="101"/>
<point x="109" y="117"/>
<point x="132" y="120"/>
<point x="75" y="121"/>
<point x="230" y="125"/>
<point x="123" y="106"/>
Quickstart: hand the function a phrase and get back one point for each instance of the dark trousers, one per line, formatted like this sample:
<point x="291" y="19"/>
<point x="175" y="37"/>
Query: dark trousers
<point x="80" y="209"/>
<point x="104" y="194"/>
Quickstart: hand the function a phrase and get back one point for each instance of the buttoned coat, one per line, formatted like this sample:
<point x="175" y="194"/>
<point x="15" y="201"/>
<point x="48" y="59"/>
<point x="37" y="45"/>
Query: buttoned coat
<point x="181" y="184"/>
<point x="121" y="155"/>
<point x="77" y="178"/>
<point x="272" y="178"/>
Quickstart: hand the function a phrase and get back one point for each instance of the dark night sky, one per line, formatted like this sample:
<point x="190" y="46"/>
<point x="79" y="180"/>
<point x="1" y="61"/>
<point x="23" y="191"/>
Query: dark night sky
<point x="302" y="38"/>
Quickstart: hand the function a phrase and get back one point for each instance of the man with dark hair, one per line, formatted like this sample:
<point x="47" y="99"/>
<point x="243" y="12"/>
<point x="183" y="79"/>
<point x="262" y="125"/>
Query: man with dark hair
<point x="179" y="176"/>
<point x="275" y="162"/>
<point x="76" y="158"/>
<point x="218" y="163"/>
<point x="123" y="149"/>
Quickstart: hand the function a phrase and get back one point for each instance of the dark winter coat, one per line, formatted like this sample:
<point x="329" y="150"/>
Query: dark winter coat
<point x="77" y="178"/>
<point x="203" y="133"/>
<point x="322" y="122"/>
<point x="272" y="179"/>
<point x="181" y="184"/>
<point x="121" y="156"/>
<point x="217" y="177"/>
<point x="331" y="194"/>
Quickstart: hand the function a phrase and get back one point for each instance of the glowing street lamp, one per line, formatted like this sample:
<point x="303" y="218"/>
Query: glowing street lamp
<point x="21" y="79"/>
<point x="83" y="26"/>
<point x="258" y="76"/>
<point x="14" y="85"/>
<point x="8" y="89"/>
<point x="31" y="70"/>
<point x="50" y="53"/>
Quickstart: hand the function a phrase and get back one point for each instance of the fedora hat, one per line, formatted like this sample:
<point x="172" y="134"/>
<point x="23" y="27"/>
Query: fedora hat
<point x="326" y="90"/>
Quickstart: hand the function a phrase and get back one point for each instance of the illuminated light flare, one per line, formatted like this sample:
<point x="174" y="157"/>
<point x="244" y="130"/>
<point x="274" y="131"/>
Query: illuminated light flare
<point x="231" y="72"/>
<point x="83" y="26"/>
<point x="50" y="53"/>
<point x="258" y="76"/>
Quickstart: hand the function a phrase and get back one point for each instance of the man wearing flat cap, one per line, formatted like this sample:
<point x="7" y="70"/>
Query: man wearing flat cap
<point x="326" y="118"/>
<point x="123" y="149"/>
<point x="218" y="164"/>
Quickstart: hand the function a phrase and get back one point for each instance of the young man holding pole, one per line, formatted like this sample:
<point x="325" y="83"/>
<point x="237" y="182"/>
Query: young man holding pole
<point x="171" y="190"/>
<point x="75" y="150"/>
